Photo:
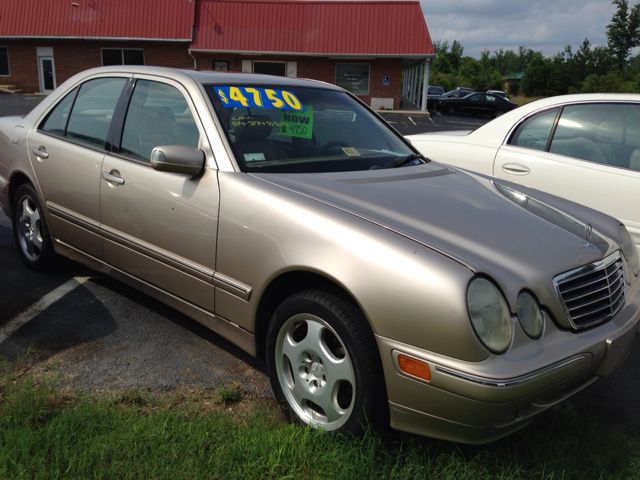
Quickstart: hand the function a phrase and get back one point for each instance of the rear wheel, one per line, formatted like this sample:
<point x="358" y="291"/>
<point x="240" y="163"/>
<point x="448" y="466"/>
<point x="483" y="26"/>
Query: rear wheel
<point x="451" y="109"/>
<point x="324" y="364"/>
<point x="30" y="230"/>
<point x="498" y="112"/>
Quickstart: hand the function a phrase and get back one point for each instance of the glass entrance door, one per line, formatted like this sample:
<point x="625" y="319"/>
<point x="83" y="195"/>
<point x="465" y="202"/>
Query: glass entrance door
<point x="47" y="75"/>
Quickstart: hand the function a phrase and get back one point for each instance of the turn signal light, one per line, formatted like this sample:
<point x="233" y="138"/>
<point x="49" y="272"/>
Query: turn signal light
<point x="414" y="367"/>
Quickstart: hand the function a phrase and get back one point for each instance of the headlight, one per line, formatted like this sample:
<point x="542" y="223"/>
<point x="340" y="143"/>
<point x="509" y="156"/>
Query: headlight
<point x="629" y="250"/>
<point x="489" y="315"/>
<point x="530" y="315"/>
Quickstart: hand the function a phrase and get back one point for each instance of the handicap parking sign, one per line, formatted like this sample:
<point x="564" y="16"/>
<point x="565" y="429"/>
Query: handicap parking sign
<point x="385" y="81"/>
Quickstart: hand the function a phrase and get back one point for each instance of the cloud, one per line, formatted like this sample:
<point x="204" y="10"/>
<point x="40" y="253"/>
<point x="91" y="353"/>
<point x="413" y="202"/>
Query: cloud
<point x="546" y="26"/>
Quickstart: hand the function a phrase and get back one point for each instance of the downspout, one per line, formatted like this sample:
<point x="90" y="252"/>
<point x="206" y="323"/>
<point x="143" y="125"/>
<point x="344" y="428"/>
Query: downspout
<point x="195" y="62"/>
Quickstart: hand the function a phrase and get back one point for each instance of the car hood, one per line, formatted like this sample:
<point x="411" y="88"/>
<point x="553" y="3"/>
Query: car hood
<point x="466" y="217"/>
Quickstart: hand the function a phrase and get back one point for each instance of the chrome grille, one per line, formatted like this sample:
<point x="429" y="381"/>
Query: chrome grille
<point x="594" y="293"/>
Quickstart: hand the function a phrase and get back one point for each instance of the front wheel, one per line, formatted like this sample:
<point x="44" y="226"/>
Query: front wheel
<point x="451" y="109"/>
<point x="30" y="230"/>
<point x="324" y="364"/>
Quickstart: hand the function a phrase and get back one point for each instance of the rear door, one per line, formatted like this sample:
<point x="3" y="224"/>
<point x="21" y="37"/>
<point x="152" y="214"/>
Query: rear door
<point x="473" y="104"/>
<point x="66" y="151"/>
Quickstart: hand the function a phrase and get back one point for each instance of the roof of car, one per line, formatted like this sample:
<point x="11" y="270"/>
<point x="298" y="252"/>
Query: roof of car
<point x="211" y="76"/>
<point x="240" y="78"/>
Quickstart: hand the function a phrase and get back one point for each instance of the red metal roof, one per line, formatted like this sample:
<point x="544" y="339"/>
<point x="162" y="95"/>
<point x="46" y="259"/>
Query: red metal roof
<point x="312" y="27"/>
<point x="150" y="19"/>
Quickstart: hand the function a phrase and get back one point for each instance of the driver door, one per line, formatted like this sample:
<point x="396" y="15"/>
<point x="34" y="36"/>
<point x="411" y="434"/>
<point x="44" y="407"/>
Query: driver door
<point x="161" y="227"/>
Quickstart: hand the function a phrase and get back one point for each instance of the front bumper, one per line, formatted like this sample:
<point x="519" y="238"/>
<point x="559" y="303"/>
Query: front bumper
<point x="479" y="402"/>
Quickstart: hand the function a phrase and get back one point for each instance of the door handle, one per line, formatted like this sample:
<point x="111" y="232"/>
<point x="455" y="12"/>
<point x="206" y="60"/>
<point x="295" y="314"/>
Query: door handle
<point x="112" y="178"/>
<point x="515" y="169"/>
<point x="41" y="152"/>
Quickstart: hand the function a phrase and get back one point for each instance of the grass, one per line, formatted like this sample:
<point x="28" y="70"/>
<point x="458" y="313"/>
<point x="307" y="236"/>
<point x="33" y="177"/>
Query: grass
<point x="230" y="395"/>
<point x="44" y="434"/>
<point x="522" y="100"/>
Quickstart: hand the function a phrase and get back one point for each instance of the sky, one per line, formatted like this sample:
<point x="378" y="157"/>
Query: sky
<point x="542" y="25"/>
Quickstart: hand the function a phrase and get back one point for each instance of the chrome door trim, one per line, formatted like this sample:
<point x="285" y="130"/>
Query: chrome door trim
<point x="511" y="382"/>
<point x="3" y="185"/>
<point x="232" y="286"/>
<point x="201" y="272"/>
<point x="196" y="270"/>
<point x="73" y="217"/>
<point x="241" y="337"/>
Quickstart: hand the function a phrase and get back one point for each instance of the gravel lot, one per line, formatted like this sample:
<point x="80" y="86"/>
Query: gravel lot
<point x="104" y="336"/>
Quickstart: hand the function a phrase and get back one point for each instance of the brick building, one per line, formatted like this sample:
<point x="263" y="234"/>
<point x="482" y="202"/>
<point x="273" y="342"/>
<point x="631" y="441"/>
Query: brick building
<point x="367" y="47"/>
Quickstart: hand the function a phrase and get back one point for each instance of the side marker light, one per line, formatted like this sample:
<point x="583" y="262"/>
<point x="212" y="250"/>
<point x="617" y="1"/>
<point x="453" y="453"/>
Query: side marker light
<point x="414" y="367"/>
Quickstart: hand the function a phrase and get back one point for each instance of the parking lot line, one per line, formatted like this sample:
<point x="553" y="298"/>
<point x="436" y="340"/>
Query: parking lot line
<point x="19" y="320"/>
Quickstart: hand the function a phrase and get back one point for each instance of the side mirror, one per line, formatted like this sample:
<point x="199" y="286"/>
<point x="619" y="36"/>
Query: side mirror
<point x="177" y="159"/>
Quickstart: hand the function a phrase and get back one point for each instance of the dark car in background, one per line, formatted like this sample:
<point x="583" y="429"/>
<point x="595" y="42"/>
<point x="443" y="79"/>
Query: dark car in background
<point x="432" y="101"/>
<point x="500" y="93"/>
<point x="433" y="91"/>
<point x="476" y="104"/>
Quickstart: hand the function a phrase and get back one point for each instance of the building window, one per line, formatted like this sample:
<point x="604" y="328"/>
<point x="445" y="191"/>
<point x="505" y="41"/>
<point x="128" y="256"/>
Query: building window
<point x="122" y="56"/>
<point x="353" y="77"/>
<point x="221" y="65"/>
<point x="4" y="61"/>
<point x="270" y="68"/>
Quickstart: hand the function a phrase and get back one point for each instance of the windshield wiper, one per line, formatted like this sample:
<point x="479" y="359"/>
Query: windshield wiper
<point x="400" y="161"/>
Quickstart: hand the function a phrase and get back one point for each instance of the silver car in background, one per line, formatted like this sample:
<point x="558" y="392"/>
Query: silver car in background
<point x="288" y="217"/>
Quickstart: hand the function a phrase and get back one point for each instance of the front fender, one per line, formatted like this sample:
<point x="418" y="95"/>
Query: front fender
<point x="407" y="291"/>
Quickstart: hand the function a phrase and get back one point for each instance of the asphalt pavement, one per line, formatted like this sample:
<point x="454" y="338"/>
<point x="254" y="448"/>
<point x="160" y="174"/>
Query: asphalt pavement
<point x="103" y="336"/>
<point x="11" y="104"/>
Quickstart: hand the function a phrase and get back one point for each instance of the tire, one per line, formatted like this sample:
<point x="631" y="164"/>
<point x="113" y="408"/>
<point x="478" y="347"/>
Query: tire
<point x="450" y="109"/>
<point x="30" y="230"/>
<point x="324" y="364"/>
<point x="498" y="112"/>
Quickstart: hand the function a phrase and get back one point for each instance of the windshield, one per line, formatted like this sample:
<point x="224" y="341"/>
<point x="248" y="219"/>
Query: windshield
<point x="297" y="130"/>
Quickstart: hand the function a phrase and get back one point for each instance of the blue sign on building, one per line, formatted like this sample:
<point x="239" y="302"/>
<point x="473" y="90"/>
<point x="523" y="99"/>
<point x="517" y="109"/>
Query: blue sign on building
<point x="385" y="81"/>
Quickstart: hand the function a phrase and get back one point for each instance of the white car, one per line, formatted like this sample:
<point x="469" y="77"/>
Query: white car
<point x="585" y="148"/>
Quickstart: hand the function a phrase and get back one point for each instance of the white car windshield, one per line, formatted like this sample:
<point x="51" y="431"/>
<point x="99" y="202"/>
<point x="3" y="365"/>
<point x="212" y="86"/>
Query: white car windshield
<point x="295" y="129"/>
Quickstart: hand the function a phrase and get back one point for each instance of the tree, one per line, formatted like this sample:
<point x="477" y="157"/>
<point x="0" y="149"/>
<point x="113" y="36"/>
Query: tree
<point x="623" y="32"/>
<point x="534" y="82"/>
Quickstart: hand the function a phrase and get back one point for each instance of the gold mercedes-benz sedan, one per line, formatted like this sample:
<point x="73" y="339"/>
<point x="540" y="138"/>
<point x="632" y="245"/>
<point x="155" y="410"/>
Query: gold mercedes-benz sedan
<point x="288" y="217"/>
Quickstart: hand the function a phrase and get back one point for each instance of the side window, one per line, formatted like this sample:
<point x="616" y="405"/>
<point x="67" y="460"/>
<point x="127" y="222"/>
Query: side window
<point x="93" y="110"/>
<point x="56" y="120"/>
<point x="158" y="114"/>
<point x="476" y="98"/>
<point x="490" y="98"/>
<point x="602" y="133"/>
<point x="534" y="132"/>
